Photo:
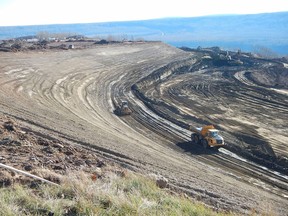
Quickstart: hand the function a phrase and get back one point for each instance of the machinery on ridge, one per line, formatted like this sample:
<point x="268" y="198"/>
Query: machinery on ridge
<point x="123" y="109"/>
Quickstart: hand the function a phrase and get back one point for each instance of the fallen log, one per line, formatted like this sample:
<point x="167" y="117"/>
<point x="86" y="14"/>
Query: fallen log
<point x="27" y="174"/>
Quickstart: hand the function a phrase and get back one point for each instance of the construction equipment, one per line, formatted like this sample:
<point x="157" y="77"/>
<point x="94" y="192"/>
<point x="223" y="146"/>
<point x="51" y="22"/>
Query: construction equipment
<point x="123" y="109"/>
<point x="207" y="136"/>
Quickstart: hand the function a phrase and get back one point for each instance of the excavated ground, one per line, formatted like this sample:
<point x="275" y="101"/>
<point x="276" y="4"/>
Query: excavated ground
<point x="244" y="96"/>
<point x="70" y="95"/>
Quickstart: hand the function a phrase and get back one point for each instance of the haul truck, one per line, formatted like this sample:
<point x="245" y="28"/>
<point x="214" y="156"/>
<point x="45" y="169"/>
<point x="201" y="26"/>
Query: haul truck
<point x="207" y="136"/>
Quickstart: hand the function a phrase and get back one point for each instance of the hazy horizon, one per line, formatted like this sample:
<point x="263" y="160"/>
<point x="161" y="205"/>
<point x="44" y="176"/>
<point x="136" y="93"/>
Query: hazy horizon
<point x="30" y="12"/>
<point x="245" y="32"/>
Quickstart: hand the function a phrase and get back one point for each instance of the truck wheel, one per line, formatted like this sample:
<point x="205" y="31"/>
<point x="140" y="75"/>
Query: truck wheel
<point x="194" y="138"/>
<point x="205" y="144"/>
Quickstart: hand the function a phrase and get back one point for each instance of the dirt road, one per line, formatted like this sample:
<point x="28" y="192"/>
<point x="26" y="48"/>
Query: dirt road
<point x="69" y="95"/>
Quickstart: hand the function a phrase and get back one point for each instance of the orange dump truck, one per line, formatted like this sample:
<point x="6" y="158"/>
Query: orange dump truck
<point x="207" y="136"/>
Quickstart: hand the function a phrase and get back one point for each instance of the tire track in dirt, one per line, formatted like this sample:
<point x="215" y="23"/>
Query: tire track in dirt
<point x="246" y="171"/>
<point x="71" y="99"/>
<point x="218" y="101"/>
<point x="250" y="169"/>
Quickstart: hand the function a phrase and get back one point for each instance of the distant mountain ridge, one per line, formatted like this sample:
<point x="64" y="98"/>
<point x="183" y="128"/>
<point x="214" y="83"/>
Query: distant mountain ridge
<point x="245" y="32"/>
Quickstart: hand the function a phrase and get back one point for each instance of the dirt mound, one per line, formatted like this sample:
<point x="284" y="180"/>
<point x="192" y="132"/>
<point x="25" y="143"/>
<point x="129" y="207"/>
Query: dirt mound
<point x="274" y="77"/>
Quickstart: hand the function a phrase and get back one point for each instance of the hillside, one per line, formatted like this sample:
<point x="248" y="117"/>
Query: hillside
<point x="83" y="182"/>
<point x="67" y="97"/>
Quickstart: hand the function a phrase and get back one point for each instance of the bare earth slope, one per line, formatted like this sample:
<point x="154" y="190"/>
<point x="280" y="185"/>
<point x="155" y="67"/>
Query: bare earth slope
<point x="243" y="95"/>
<point x="70" y="95"/>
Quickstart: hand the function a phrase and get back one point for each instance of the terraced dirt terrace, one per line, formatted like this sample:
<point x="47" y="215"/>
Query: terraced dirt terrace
<point x="71" y="95"/>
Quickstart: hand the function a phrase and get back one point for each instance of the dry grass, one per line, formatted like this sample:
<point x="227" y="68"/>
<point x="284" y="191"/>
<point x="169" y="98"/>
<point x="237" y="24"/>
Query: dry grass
<point x="114" y="194"/>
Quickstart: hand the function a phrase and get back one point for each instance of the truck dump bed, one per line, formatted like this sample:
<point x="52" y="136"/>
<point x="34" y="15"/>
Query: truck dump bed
<point x="201" y="130"/>
<point x="195" y="129"/>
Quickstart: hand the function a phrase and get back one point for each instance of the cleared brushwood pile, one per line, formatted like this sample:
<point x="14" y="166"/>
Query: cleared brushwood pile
<point x="22" y="149"/>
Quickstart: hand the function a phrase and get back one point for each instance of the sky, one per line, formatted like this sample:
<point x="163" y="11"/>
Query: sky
<point x="34" y="12"/>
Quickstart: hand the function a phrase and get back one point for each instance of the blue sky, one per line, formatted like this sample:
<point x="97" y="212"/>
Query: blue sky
<point x="31" y="12"/>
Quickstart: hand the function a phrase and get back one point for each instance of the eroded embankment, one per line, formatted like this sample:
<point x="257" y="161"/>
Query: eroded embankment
<point x="209" y="90"/>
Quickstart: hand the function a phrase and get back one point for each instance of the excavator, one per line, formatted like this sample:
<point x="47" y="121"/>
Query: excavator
<point x="123" y="109"/>
<point x="207" y="136"/>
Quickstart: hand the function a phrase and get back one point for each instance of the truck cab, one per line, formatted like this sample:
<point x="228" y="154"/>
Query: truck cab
<point x="213" y="138"/>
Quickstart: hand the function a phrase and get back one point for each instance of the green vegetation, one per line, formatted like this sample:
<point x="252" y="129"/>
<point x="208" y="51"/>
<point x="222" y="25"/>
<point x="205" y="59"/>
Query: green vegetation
<point x="79" y="194"/>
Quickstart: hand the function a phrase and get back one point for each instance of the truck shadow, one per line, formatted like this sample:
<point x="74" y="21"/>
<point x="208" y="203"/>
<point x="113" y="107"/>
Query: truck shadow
<point x="196" y="149"/>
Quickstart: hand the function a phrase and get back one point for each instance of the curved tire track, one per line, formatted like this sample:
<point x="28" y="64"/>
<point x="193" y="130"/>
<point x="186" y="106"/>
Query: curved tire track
<point x="69" y="96"/>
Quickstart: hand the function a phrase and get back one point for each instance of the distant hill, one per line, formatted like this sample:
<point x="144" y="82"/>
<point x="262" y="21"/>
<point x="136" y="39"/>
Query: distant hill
<point x="246" y="32"/>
